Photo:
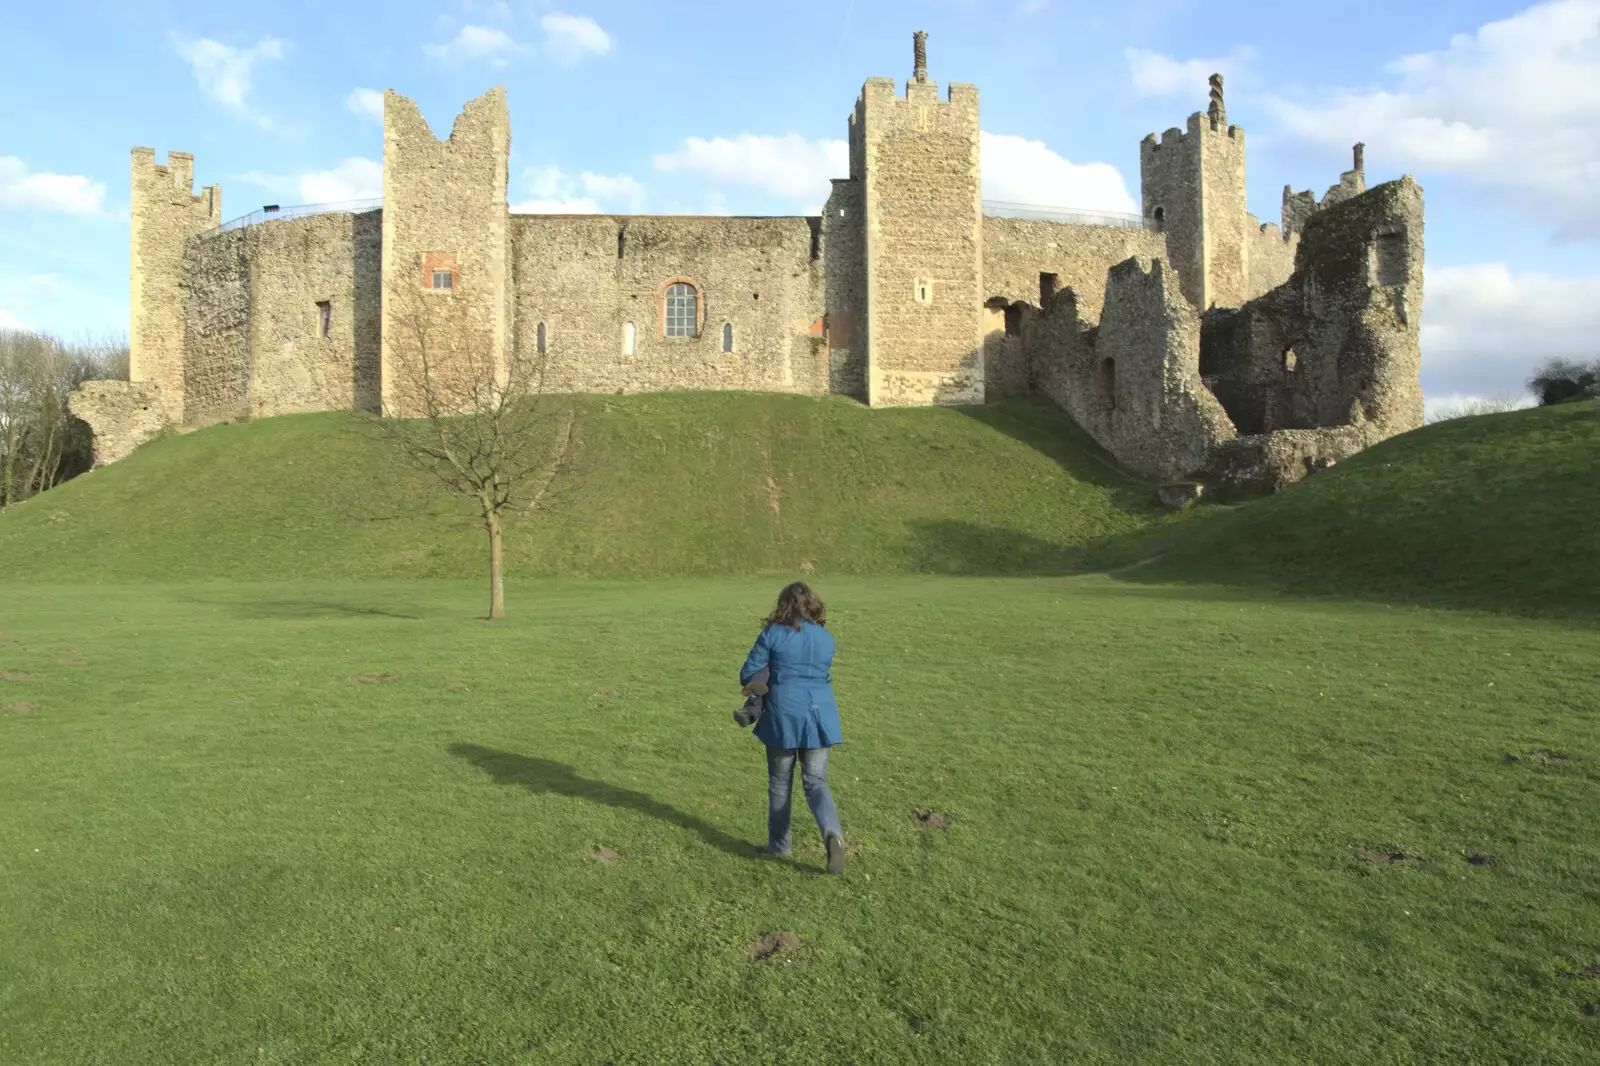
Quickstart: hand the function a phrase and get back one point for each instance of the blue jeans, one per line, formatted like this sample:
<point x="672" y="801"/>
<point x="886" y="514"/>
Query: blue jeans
<point x="780" y="790"/>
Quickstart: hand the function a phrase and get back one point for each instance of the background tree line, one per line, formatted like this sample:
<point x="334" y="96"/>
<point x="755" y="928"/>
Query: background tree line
<point x="41" y="443"/>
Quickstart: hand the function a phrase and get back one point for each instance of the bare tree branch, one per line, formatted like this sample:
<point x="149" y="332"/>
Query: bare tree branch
<point x="480" y="429"/>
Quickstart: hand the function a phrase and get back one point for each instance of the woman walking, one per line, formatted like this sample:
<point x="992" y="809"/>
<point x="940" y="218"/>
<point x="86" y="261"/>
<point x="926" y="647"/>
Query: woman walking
<point x="800" y="721"/>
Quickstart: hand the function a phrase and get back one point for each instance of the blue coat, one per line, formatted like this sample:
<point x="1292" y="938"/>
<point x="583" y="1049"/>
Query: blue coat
<point x="800" y="708"/>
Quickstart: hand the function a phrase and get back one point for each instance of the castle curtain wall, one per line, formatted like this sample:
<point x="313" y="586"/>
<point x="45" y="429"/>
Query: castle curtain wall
<point x="585" y="277"/>
<point x="254" y="318"/>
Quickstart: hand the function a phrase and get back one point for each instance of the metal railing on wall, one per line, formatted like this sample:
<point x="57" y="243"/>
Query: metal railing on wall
<point x="274" y="213"/>
<point x="1116" y="219"/>
<point x="992" y="208"/>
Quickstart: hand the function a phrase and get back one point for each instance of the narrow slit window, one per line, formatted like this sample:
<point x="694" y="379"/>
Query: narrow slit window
<point x="1048" y="284"/>
<point x="727" y="336"/>
<point x="627" y="338"/>
<point x="324" y="318"/>
<point x="541" y="338"/>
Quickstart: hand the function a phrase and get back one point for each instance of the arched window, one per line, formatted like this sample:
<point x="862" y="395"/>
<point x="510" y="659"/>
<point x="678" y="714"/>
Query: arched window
<point x="541" y="338"/>
<point x="1291" y="361"/>
<point x="727" y="336"/>
<point x="627" y="338"/>
<point x="681" y="310"/>
<point x="1160" y="215"/>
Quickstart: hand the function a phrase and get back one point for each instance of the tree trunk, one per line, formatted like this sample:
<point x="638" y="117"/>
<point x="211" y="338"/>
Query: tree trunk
<point x="497" y="591"/>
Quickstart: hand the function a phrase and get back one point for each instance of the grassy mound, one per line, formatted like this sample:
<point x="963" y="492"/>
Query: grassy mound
<point x="666" y="484"/>
<point x="1495" y="512"/>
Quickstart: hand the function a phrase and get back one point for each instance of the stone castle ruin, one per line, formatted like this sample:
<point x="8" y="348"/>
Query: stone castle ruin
<point x="1191" y="341"/>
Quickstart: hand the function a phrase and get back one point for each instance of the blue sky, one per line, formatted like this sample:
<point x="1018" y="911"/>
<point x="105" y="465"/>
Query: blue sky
<point x="740" y="107"/>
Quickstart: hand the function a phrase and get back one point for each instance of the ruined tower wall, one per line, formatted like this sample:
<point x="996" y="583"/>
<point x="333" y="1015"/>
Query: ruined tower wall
<point x="923" y="242"/>
<point x="1133" y="383"/>
<point x="1332" y="356"/>
<point x="166" y="215"/>
<point x="444" y="207"/>
<point x="587" y="277"/>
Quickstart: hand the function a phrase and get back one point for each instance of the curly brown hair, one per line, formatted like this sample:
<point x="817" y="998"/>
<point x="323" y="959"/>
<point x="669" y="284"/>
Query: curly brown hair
<point x="797" y="604"/>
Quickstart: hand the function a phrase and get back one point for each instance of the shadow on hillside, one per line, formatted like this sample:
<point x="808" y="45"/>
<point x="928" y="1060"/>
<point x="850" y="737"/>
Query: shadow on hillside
<point x="1050" y="431"/>
<point x="543" y="775"/>
<point x="948" y="546"/>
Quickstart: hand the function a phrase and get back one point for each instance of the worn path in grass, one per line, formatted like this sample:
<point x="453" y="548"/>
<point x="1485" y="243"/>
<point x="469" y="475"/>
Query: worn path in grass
<point x="352" y="823"/>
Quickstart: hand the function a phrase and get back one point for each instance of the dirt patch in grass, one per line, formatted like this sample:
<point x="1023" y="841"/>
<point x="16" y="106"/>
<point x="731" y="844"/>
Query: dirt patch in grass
<point x="1391" y="856"/>
<point x="1587" y="973"/>
<point x="1484" y="860"/>
<point x="70" y="657"/>
<point x="1541" y="756"/>
<point x="25" y="707"/>
<point x="772" y="944"/>
<point x="371" y="679"/>
<point x="15" y="675"/>
<point x="605" y="694"/>
<point x="605" y="856"/>
<point x="930" y="819"/>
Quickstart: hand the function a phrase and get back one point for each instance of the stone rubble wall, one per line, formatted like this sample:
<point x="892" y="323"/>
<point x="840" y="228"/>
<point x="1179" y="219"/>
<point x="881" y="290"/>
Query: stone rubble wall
<point x="121" y="415"/>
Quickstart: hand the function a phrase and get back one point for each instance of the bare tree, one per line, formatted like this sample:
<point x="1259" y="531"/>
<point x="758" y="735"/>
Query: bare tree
<point x="485" y="430"/>
<point x="41" y="444"/>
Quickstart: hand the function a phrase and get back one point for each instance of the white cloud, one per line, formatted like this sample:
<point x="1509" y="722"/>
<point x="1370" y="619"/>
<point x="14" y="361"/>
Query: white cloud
<point x="224" y="71"/>
<point x="571" y="38"/>
<point x="471" y="43"/>
<point x="788" y="166"/>
<point x="11" y="321"/>
<point x="1155" y="74"/>
<point x="567" y="41"/>
<point x="366" y="102"/>
<point x="1512" y="108"/>
<point x="71" y="194"/>
<point x="1485" y="329"/>
<point x="1015" y="170"/>
<point x="1019" y="171"/>
<point x="353" y="179"/>
<point x="580" y="205"/>
<point x="554" y="191"/>
<point x="622" y="188"/>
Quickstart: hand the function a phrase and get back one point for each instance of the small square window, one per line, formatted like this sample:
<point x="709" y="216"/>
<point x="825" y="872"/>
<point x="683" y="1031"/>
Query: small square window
<point x="442" y="279"/>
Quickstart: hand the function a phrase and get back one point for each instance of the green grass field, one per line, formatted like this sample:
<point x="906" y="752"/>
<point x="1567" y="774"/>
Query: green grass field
<point x="273" y="792"/>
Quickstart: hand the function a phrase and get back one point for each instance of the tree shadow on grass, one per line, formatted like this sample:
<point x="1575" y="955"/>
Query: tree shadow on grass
<point x="310" y="609"/>
<point x="544" y="775"/>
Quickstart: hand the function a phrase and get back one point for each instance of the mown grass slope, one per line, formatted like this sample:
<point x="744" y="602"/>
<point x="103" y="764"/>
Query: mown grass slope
<point x="1495" y="512"/>
<point x="665" y="484"/>
<point x="330" y="822"/>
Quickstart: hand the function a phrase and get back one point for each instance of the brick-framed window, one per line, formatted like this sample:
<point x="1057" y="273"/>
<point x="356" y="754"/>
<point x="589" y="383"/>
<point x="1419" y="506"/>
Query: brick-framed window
<point x="683" y="308"/>
<point x="440" y="272"/>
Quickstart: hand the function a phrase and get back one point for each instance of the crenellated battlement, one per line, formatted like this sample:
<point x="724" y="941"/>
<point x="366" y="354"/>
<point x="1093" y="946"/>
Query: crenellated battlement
<point x="1298" y="207"/>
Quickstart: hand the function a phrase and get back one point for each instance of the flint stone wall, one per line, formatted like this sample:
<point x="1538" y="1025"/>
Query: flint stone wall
<point x="586" y="277"/>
